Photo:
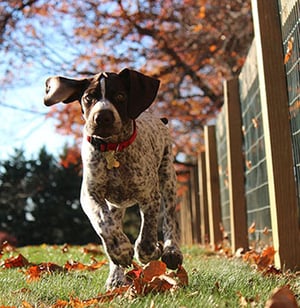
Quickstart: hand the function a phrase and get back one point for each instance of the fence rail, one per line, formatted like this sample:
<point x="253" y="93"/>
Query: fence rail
<point x="250" y="171"/>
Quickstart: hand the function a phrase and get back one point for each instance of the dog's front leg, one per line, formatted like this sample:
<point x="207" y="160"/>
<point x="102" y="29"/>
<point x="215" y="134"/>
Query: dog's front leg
<point x="146" y="245"/>
<point x="107" y="222"/>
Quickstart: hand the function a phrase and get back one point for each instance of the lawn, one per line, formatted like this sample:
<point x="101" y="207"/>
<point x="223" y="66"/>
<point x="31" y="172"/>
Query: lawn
<point x="214" y="281"/>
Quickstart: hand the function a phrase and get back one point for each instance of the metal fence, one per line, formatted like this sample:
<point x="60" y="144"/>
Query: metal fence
<point x="290" y="28"/>
<point x="256" y="122"/>
<point x="256" y="179"/>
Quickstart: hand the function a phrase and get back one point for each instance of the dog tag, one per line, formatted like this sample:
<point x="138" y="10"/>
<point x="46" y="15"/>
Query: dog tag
<point x="111" y="160"/>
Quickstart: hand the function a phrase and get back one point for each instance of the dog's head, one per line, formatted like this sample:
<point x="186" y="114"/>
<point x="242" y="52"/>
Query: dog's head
<point x="108" y="100"/>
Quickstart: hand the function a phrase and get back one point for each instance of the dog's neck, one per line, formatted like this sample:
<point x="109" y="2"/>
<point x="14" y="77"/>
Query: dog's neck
<point x="116" y="143"/>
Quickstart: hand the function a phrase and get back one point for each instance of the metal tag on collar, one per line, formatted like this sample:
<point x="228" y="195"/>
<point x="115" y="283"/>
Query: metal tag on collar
<point x="111" y="160"/>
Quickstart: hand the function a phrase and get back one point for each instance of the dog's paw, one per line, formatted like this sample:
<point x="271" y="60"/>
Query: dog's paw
<point x="116" y="278"/>
<point x="172" y="256"/>
<point x="146" y="252"/>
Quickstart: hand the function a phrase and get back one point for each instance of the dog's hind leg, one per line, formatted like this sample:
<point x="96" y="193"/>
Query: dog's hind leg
<point x="172" y="255"/>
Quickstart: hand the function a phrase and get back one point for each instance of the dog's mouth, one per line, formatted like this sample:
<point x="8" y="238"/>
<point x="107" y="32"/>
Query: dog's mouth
<point x="105" y="133"/>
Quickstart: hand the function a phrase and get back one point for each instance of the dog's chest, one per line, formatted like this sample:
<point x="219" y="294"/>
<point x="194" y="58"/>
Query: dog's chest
<point x="132" y="181"/>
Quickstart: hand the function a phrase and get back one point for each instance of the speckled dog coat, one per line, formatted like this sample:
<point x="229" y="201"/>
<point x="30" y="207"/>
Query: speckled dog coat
<point x="127" y="160"/>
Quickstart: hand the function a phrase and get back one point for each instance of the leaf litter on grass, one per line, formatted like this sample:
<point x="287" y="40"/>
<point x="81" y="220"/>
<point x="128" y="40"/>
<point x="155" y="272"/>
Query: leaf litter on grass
<point x="140" y="280"/>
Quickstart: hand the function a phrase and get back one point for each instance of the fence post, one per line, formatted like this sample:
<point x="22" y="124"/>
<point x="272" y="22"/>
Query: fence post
<point x="213" y="186"/>
<point x="185" y="220"/>
<point x="195" y="210"/>
<point x="273" y="92"/>
<point x="235" y="161"/>
<point x="203" y="198"/>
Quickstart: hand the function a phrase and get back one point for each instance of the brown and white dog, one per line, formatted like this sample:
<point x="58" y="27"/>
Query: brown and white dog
<point x="127" y="159"/>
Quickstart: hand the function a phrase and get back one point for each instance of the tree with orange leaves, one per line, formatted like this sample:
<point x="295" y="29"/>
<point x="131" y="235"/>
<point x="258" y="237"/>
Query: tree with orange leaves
<point x="190" y="45"/>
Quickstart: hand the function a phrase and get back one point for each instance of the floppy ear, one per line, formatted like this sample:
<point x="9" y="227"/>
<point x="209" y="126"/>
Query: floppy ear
<point x="61" y="89"/>
<point x="142" y="91"/>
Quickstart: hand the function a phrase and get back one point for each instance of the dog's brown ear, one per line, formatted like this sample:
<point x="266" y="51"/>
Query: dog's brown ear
<point x="61" y="89"/>
<point x="142" y="91"/>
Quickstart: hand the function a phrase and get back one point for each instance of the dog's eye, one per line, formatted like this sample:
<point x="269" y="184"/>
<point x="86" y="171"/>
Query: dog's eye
<point x="88" y="99"/>
<point x="120" y="97"/>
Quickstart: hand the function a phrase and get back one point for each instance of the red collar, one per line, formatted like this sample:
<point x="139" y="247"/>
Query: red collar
<point x="117" y="147"/>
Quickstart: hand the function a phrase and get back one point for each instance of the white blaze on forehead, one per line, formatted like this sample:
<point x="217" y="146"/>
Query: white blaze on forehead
<point x="102" y="87"/>
<point x="104" y="103"/>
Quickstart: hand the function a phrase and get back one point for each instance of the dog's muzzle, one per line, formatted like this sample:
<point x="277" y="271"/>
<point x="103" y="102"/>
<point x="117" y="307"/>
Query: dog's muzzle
<point x="104" y="118"/>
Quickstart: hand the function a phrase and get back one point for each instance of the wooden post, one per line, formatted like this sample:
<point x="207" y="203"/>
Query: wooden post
<point x="203" y="199"/>
<point x="195" y="204"/>
<point x="235" y="162"/>
<point x="185" y="220"/>
<point x="213" y="186"/>
<point x="273" y="93"/>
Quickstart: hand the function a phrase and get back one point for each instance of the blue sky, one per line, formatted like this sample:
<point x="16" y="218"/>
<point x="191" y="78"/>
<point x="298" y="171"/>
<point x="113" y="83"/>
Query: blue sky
<point x="22" y="129"/>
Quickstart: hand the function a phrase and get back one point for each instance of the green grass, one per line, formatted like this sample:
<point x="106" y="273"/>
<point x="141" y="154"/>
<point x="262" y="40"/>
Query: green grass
<point x="213" y="282"/>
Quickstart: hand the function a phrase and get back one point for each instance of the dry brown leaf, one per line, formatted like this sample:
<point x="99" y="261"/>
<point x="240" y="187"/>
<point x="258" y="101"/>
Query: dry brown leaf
<point x="16" y="261"/>
<point x="182" y="276"/>
<point x="26" y="305"/>
<point x="92" y="249"/>
<point x="252" y="228"/>
<point x="74" y="265"/>
<point x="289" y="50"/>
<point x="154" y="268"/>
<point x="36" y="271"/>
<point x="282" y="298"/>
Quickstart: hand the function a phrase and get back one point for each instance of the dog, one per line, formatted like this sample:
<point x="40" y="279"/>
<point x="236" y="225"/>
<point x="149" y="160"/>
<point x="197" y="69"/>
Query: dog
<point x="127" y="160"/>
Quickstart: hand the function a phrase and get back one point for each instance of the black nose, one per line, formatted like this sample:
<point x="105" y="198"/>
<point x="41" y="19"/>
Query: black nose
<point x="104" y="117"/>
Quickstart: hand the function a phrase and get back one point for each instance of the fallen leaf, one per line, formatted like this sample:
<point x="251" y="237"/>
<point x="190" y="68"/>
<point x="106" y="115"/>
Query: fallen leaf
<point x="60" y="304"/>
<point x="96" y="265"/>
<point x="289" y="50"/>
<point x="16" y="261"/>
<point x="266" y="231"/>
<point x="161" y="283"/>
<point x="65" y="248"/>
<point x="266" y="257"/>
<point x="252" y="228"/>
<point x="92" y="249"/>
<point x="154" y="268"/>
<point x="282" y="297"/>
<point x="6" y="247"/>
<point x="251" y="256"/>
<point x="36" y="271"/>
<point x="182" y="276"/>
<point x="26" y="305"/>
<point x="134" y="273"/>
<point x="74" y="265"/>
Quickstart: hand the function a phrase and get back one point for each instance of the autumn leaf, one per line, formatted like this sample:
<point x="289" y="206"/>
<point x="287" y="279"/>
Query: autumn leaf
<point x="74" y="265"/>
<point x="34" y="272"/>
<point x="134" y="273"/>
<point x="266" y="257"/>
<point x="154" y="268"/>
<point x="6" y="247"/>
<point x="252" y="228"/>
<point x="60" y="304"/>
<point x="263" y="260"/>
<point x="96" y="265"/>
<point x="182" y="276"/>
<point x="77" y="266"/>
<point x="16" y="261"/>
<point x="289" y="50"/>
<point x="26" y="305"/>
<point x="282" y="297"/>
<point x="92" y="249"/>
